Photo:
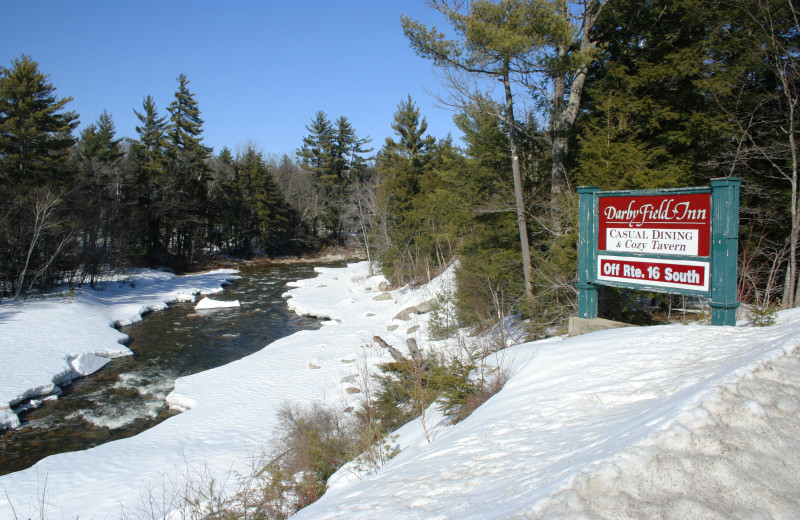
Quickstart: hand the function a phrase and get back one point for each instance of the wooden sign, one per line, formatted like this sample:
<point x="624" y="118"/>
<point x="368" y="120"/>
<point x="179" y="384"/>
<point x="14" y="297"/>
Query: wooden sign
<point x="680" y="241"/>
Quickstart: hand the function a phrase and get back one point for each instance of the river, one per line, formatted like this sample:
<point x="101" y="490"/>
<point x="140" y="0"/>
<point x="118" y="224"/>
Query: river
<point x="128" y="395"/>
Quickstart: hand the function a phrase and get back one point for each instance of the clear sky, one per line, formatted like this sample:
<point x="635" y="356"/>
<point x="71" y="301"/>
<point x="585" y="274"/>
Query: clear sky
<point x="259" y="69"/>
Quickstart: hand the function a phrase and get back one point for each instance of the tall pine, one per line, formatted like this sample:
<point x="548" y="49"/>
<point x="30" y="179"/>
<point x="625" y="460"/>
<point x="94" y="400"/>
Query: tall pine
<point x="404" y="162"/>
<point x="335" y="156"/>
<point x="186" y="174"/>
<point x="100" y="197"/>
<point x="35" y="139"/>
<point x="149" y="187"/>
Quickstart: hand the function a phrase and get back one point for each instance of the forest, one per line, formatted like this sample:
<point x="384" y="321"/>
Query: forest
<point x="549" y="95"/>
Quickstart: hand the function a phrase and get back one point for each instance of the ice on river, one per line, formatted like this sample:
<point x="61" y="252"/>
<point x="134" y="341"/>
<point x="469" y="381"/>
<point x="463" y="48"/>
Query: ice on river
<point x="208" y="303"/>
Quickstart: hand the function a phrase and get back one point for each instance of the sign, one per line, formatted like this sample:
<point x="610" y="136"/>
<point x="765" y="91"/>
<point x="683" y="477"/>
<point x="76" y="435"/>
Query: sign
<point x="677" y="225"/>
<point x="669" y="274"/>
<point x="682" y="241"/>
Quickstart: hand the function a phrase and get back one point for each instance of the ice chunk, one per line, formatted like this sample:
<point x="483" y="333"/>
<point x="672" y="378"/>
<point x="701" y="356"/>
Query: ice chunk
<point x="180" y="402"/>
<point x="8" y="420"/>
<point x="86" y="364"/>
<point x="208" y="303"/>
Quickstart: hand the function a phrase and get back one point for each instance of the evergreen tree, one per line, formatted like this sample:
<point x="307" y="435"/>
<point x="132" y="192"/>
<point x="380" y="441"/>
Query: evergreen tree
<point x="405" y="163"/>
<point x="348" y="162"/>
<point x="315" y="157"/>
<point x="499" y="41"/>
<point x="149" y="194"/>
<point x="490" y="279"/>
<point x="99" y="196"/>
<point x="35" y="130"/>
<point x="35" y="138"/>
<point x="652" y="123"/>
<point x="316" y="153"/>
<point x="334" y="154"/>
<point x="267" y="212"/>
<point x="222" y="198"/>
<point x="186" y="172"/>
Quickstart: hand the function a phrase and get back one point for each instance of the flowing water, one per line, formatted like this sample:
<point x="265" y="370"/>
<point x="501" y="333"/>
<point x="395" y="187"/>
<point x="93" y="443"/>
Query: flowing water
<point x="128" y="395"/>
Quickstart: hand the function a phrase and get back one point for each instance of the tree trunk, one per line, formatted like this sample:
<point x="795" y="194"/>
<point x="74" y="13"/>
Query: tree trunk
<point x="519" y="200"/>
<point x="564" y="114"/>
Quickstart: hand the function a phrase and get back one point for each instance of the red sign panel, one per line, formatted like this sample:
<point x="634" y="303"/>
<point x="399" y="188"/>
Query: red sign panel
<point x="675" y="274"/>
<point x="677" y="224"/>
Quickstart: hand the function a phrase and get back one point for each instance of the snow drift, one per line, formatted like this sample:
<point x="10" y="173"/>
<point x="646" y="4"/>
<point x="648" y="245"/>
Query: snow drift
<point x="675" y="421"/>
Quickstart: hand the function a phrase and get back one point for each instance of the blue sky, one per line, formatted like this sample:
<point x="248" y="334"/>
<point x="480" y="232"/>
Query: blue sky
<point x="259" y="69"/>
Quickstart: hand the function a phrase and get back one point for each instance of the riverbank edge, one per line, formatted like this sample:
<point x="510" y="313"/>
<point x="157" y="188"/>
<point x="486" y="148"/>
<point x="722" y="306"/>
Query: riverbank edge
<point x="322" y="257"/>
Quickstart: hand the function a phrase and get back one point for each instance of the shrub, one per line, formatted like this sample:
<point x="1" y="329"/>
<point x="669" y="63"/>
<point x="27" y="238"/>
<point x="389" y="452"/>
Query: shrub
<point x="761" y="315"/>
<point x="409" y="385"/>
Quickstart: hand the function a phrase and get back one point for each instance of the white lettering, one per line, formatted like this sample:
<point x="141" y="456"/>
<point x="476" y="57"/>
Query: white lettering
<point x="686" y="277"/>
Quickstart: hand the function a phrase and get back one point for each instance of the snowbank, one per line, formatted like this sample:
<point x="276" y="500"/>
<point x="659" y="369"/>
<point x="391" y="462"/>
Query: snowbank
<point x="638" y="422"/>
<point x="584" y="427"/>
<point x="735" y="456"/>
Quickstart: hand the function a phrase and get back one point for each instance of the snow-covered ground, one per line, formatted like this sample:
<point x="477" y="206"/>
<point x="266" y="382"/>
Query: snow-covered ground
<point x="671" y="422"/>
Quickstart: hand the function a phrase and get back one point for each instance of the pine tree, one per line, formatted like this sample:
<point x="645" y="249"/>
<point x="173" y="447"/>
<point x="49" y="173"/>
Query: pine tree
<point x="148" y="155"/>
<point x="35" y="138"/>
<point x="186" y="172"/>
<point x="490" y="282"/>
<point x="334" y="154"/>
<point x="315" y="157"/>
<point x="264" y="215"/>
<point x="99" y="195"/>
<point x="35" y="131"/>
<point x="498" y="41"/>
<point x="651" y="122"/>
<point x="348" y="152"/>
<point x="222" y="199"/>
<point x="150" y="148"/>
<point x="316" y="153"/>
<point x="404" y="163"/>
<point x="614" y="153"/>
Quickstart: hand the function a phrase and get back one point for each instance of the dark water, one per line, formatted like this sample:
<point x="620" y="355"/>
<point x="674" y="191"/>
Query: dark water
<point x="127" y="396"/>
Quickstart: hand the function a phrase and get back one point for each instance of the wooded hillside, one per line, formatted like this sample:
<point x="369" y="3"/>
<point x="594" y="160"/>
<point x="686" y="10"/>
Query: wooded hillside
<point x="549" y="95"/>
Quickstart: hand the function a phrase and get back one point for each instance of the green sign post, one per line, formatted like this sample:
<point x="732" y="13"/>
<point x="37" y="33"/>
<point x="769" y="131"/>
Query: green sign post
<point x="682" y="240"/>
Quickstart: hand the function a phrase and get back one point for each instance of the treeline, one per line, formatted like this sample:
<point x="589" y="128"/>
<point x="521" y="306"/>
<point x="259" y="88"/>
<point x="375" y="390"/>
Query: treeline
<point x="550" y="95"/>
<point x="73" y="207"/>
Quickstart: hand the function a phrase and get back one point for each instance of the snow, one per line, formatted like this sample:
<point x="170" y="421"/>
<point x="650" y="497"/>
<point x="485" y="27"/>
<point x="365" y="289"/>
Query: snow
<point x="208" y="303"/>
<point x="86" y="364"/>
<point x="676" y="421"/>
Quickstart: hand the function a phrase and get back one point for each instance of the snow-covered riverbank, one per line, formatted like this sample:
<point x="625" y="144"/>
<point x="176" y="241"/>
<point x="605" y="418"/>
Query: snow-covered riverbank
<point x="646" y="422"/>
<point x="230" y="410"/>
<point x="51" y="341"/>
